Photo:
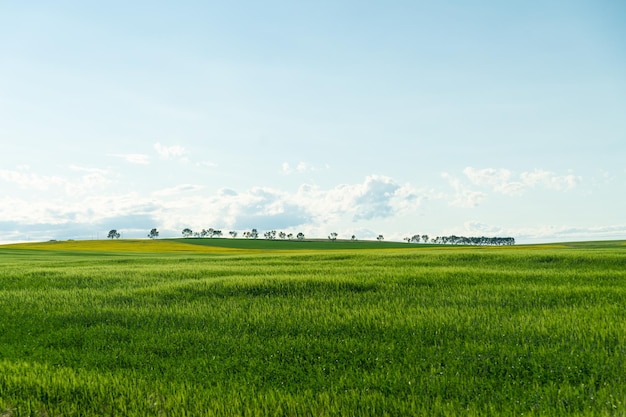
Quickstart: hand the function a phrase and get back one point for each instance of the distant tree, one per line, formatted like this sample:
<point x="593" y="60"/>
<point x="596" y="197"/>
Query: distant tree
<point x="216" y="233"/>
<point x="380" y="238"/>
<point x="300" y="236"/>
<point x="282" y="235"/>
<point x="154" y="233"/>
<point x="333" y="236"/>
<point x="408" y="239"/>
<point x="425" y="238"/>
<point x="290" y="236"/>
<point x="187" y="232"/>
<point x="252" y="234"/>
<point x="113" y="234"/>
<point x="233" y="234"/>
<point x="270" y="235"/>
<point x="353" y="237"/>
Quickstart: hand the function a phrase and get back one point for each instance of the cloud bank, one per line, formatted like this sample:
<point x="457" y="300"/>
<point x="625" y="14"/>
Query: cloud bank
<point x="188" y="205"/>
<point x="82" y="202"/>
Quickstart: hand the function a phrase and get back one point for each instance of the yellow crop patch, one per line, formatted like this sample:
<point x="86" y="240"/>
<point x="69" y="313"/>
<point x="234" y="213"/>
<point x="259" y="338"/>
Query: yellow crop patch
<point x="128" y="245"/>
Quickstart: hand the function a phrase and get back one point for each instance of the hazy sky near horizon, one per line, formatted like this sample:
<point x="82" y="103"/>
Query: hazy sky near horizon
<point x="399" y="117"/>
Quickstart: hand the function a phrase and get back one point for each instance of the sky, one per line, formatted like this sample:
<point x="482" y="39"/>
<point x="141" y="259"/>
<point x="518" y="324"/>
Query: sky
<point x="472" y="118"/>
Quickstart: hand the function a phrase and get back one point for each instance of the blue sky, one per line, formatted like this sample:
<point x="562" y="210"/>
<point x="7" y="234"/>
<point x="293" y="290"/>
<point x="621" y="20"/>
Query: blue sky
<point x="366" y="118"/>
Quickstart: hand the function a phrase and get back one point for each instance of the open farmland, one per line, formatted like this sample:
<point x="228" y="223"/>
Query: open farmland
<point x="235" y="327"/>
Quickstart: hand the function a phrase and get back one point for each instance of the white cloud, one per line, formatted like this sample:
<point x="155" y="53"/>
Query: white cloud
<point x="503" y="181"/>
<point x="498" y="179"/>
<point x="463" y="196"/>
<point x="91" y="179"/>
<point x="258" y="207"/>
<point x="377" y="197"/>
<point x="17" y="210"/>
<point x="79" y="211"/>
<point x="300" y="168"/>
<point x="26" y="180"/>
<point x="84" y="218"/>
<point x="134" y="158"/>
<point x="170" y="152"/>
<point x="373" y="198"/>
<point x="303" y="167"/>
<point x="177" y="190"/>
<point x="29" y="180"/>
<point x="549" y="180"/>
<point x="223" y="192"/>
<point x="475" y="228"/>
<point x="493" y="177"/>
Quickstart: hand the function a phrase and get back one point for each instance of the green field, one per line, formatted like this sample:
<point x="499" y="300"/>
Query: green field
<point x="221" y="327"/>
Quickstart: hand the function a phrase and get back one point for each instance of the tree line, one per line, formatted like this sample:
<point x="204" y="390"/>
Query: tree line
<point x="250" y="234"/>
<point x="273" y="234"/>
<point x="462" y="240"/>
<point x="214" y="233"/>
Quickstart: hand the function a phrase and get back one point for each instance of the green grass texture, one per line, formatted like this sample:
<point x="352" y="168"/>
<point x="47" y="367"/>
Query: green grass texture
<point x="230" y="327"/>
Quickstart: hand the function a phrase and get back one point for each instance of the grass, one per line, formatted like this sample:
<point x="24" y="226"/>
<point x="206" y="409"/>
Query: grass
<point x="180" y="328"/>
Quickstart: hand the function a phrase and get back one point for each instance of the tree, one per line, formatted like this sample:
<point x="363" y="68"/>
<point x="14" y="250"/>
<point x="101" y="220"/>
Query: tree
<point x="353" y="237"/>
<point x="252" y="234"/>
<point x="282" y="235"/>
<point x="233" y="234"/>
<point x="154" y="233"/>
<point x="113" y="234"/>
<point x="290" y="236"/>
<point x="413" y="239"/>
<point x="425" y="238"/>
<point x="333" y="236"/>
<point x="300" y="236"/>
<point x="380" y="238"/>
<point x="187" y="232"/>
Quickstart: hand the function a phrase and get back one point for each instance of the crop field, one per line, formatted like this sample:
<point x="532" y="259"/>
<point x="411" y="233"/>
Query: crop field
<point x="230" y="327"/>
